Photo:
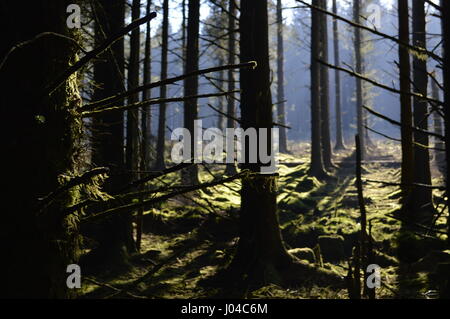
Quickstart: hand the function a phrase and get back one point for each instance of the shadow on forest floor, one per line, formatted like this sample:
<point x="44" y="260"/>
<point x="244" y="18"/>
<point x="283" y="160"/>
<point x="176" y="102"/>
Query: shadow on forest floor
<point x="191" y="237"/>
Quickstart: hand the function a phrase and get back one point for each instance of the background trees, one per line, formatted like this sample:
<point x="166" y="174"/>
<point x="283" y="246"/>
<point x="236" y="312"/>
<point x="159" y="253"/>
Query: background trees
<point x="84" y="118"/>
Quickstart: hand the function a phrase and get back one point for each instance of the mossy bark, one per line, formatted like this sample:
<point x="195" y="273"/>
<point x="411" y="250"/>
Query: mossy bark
<point x="42" y="150"/>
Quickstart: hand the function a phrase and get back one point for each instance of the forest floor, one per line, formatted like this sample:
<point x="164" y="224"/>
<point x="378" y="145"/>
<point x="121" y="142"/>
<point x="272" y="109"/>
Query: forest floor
<point x="189" y="238"/>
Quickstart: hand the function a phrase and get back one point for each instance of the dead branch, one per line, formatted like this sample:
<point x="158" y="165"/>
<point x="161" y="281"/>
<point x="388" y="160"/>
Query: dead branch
<point x="120" y="96"/>
<point x="384" y="117"/>
<point x="148" y="203"/>
<point x="152" y="102"/>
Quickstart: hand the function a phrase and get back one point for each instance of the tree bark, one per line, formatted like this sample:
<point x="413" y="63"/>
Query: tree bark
<point x="317" y="168"/>
<point x="132" y="146"/>
<point x="231" y="167"/>
<point x="358" y="69"/>
<point x="422" y="197"/>
<point x="260" y="247"/>
<point x="146" y="116"/>
<point x="325" y="89"/>
<point x="160" y="147"/>
<point x="405" y="107"/>
<point x="42" y="143"/>
<point x="337" y="78"/>
<point x="280" y="79"/>
<point x="190" y="175"/>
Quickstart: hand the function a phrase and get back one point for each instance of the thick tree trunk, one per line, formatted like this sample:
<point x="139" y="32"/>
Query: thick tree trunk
<point x="337" y="78"/>
<point x="260" y="248"/>
<point x="358" y="69"/>
<point x="422" y="196"/>
<point x="190" y="175"/>
<point x="405" y="106"/>
<point x="231" y="167"/>
<point x="325" y="89"/>
<point x="41" y="142"/>
<point x="160" y="147"/>
<point x="281" y="118"/>
<point x="317" y="168"/>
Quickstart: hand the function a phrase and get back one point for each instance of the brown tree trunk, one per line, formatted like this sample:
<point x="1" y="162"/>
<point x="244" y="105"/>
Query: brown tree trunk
<point x="422" y="196"/>
<point x="221" y="106"/>
<point x="280" y="80"/>
<point x="260" y="247"/>
<point x="337" y="78"/>
<point x="231" y="167"/>
<point x="190" y="175"/>
<point x="160" y="147"/>
<point x="317" y="168"/>
<point x="325" y="89"/>
<point x="405" y="107"/>
<point x="42" y="143"/>
<point x="358" y="69"/>
<point x="146" y="116"/>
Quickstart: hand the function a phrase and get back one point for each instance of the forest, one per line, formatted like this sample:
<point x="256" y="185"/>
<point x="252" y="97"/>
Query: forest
<point x="225" y="149"/>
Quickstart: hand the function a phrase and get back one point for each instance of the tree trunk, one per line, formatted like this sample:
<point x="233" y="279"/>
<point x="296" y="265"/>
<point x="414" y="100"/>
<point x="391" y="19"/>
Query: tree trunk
<point x="146" y="116"/>
<point x="260" y="249"/>
<point x="405" y="107"/>
<point x="337" y="78"/>
<point x="280" y="80"/>
<point x="132" y="145"/>
<point x="231" y="167"/>
<point x="221" y="106"/>
<point x="358" y="69"/>
<point x="42" y="147"/>
<point x="160" y="163"/>
<point x="325" y="89"/>
<point x="317" y="168"/>
<point x="114" y="235"/>
<point x="190" y="175"/>
<point x="422" y="196"/>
